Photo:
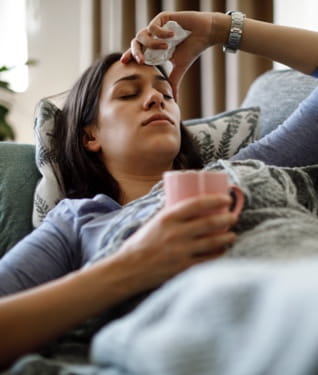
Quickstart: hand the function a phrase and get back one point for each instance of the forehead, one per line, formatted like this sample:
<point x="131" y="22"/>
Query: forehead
<point x="119" y="71"/>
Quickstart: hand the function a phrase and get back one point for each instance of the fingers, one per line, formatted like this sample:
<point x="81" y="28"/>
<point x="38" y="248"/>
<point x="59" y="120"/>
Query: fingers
<point x="198" y="225"/>
<point x="211" y="245"/>
<point x="179" y="237"/>
<point x="155" y="26"/>
<point x="156" y="30"/>
<point x="137" y="51"/>
<point x="196" y="206"/>
<point x="210" y="224"/>
<point x="207" y="253"/>
<point x="147" y="38"/>
<point x="151" y="37"/>
<point x="126" y="57"/>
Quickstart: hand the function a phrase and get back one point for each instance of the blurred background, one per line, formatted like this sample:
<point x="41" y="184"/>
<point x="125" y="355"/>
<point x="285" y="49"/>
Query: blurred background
<point x="62" y="38"/>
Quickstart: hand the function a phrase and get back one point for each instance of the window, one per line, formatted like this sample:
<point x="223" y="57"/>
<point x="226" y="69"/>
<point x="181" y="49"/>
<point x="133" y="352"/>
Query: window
<point x="13" y="43"/>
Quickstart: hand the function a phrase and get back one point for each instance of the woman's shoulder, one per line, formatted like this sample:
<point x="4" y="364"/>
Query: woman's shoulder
<point x="100" y="204"/>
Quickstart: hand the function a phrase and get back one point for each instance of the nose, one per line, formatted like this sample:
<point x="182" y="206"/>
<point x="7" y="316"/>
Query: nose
<point x="154" y="99"/>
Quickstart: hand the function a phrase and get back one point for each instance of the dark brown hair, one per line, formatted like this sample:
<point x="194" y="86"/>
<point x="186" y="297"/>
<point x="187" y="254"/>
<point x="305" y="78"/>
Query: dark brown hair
<point x="83" y="173"/>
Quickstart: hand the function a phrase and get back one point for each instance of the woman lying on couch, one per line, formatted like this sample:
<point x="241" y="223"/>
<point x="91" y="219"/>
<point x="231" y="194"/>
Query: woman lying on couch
<point x="107" y="146"/>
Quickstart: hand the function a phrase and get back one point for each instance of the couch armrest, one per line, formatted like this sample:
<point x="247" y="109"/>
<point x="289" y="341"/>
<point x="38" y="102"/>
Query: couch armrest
<point x="278" y="93"/>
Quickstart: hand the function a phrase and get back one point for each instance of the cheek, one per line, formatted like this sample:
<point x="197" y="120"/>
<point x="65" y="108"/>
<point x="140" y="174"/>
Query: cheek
<point x="176" y="113"/>
<point x="177" y="119"/>
<point x="115" y="129"/>
<point x="111" y="119"/>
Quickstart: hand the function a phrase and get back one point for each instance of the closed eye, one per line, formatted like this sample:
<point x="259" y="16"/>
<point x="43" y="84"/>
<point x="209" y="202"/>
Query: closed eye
<point x="130" y="96"/>
<point x="167" y="96"/>
<point x="127" y="97"/>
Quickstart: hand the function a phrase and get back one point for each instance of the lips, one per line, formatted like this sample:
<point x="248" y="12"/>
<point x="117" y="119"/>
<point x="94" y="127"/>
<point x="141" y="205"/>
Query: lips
<point x="158" y="117"/>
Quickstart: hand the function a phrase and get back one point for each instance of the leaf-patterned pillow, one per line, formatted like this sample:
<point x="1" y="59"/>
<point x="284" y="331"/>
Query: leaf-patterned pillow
<point x="219" y="137"/>
<point x="222" y="136"/>
<point x="47" y="193"/>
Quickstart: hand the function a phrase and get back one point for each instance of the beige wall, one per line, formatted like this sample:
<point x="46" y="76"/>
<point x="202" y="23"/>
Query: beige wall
<point x="296" y="13"/>
<point x="59" y="38"/>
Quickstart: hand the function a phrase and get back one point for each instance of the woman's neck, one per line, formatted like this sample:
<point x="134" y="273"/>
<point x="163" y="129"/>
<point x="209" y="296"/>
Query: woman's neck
<point x="133" y="187"/>
<point x="136" y="179"/>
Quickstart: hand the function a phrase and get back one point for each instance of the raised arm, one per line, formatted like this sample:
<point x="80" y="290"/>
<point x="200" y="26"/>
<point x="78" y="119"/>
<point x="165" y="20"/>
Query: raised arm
<point x="291" y="46"/>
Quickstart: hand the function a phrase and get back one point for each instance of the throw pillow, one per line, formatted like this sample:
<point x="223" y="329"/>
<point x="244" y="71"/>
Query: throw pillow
<point x="48" y="192"/>
<point x="223" y="135"/>
<point x="219" y="137"/>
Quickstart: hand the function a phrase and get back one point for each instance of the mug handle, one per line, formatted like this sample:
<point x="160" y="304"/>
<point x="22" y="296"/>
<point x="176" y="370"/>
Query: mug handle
<point x="239" y="199"/>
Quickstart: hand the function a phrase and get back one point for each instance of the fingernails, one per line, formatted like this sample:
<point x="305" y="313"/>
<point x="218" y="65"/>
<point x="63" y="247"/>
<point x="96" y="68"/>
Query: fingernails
<point x="139" y="59"/>
<point x="163" y="46"/>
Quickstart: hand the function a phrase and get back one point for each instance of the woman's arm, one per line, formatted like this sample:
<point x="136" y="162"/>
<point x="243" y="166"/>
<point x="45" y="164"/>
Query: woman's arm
<point x="291" y="144"/>
<point x="173" y="240"/>
<point x="32" y="318"/>
<point x="49" y="252"/>
<point x="291" y="46"/>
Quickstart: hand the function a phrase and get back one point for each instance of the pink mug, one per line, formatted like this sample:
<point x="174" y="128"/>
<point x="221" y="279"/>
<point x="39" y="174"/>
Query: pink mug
<point x="179" y="185"/>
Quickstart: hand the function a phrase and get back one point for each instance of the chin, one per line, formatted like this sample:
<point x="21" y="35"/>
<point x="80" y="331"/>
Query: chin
<point x="161" y="155"/>
<point x="166" y="147"/>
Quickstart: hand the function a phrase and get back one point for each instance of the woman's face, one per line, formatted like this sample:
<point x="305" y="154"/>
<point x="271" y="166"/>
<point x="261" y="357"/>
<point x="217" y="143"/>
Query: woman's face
<point x="138" y="125"/>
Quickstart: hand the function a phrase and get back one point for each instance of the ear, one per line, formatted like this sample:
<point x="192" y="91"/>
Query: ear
<point x="89" y="140"/>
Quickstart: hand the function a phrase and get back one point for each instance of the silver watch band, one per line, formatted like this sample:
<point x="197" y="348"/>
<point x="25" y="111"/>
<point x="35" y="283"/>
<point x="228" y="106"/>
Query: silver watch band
<point x="236" y="31"/>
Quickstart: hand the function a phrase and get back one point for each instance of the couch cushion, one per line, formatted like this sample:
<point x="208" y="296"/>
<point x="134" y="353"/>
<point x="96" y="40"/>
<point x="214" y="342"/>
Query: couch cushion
<point x="18" y="178"/>
<point x="278" y="93"/>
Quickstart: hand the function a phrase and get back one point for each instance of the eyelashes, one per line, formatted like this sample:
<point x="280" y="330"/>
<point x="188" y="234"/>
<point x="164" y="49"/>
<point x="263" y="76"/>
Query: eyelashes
<point x="167" y="96"/>
<point x="127" y="97"/>
<point x="131" y="96"/>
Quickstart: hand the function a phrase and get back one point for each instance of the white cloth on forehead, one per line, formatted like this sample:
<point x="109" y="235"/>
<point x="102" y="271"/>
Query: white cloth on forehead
<point x="159" y="56"/>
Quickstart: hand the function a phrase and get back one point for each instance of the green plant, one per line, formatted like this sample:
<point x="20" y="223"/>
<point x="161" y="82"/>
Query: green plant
<point x="6" y="130"/>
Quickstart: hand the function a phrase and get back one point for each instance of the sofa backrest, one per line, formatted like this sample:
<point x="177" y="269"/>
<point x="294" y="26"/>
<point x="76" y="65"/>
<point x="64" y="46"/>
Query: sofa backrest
<point x="18" y="178"/>
<point x="278" y="93"/>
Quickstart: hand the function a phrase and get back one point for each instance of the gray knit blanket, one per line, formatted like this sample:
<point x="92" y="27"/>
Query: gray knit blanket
<point x="254" y="311"/>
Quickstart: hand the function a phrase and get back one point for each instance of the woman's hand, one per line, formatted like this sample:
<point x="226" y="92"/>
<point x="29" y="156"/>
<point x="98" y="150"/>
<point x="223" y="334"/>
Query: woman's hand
<point x="179" y="237"/>
<point x="206" y="28"/>
<point x="173" y="240"/>
<point x="288" y="45"/>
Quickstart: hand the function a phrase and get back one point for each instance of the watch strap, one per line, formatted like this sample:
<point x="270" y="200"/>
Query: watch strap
<point x="236" y="31"/>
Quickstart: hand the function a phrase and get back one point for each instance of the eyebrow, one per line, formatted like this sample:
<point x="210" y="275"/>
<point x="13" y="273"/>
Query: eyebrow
<point x="135" y="77"/>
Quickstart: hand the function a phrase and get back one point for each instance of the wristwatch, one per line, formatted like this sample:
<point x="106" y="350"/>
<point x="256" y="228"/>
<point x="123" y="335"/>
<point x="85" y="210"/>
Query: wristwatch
<point x="236" y="31"/>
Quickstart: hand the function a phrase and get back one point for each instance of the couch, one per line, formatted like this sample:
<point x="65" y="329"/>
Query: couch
<point x="276" y="93"/>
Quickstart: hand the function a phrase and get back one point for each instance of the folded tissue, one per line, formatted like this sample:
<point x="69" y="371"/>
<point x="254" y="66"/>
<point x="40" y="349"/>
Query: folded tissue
<point x="159" y="56"/>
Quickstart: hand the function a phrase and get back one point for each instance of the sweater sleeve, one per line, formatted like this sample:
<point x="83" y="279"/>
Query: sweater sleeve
<point x="49" y="252"/>
<point x="293" y="143"/>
